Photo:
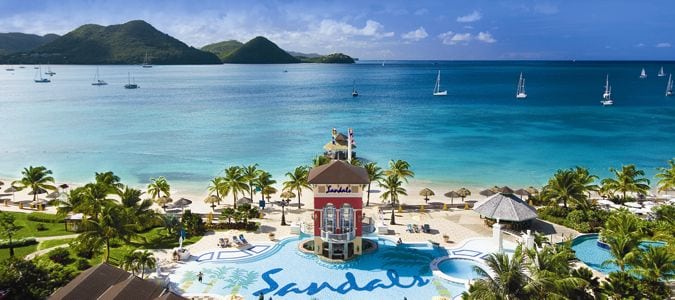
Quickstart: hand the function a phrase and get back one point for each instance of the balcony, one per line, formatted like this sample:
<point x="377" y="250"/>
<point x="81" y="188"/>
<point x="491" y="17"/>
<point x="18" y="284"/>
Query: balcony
<point x="338" y="237"/>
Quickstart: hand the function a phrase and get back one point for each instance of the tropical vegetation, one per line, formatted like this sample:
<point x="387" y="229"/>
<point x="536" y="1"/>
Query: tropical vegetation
<point x="392" y="188"/>
<point x="297" y="180"/>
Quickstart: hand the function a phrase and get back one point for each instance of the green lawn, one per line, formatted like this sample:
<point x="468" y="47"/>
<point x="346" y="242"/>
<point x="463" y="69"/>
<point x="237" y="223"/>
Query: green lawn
<point x="19" y="252"/>
<point x="29" y="228"/>
<point x="53" y="243"/>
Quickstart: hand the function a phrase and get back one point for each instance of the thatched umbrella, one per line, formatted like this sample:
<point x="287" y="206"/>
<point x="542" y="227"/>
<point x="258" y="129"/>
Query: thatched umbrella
<point x="38" y="191"/>
<point x="212" y="199"/>
<point x="63" y="186"/>
<point x="163" y="201"/>
<point x="2" y="183"/>
<point x="487" y="192"/>
<point x="244" y="200"/>
<point x="53" y="195"/>
<point x="426" y="192"/>
<point x="522" y="193"/>
<point x="12" y="190"/>
<point x="287" y="195"/>
<point x="452" y="195"/>
<point x="504" y="190"/>
<point x="505" y="207"/>
<point x="182" y="202"/>
<point x="463" y="193"/>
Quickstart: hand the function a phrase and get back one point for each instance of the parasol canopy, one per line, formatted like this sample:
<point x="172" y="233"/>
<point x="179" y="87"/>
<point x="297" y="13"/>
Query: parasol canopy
<point x="487" y="192"/>
<point x="38" y="191"/>
<point x="53" y="195"/>
<point x="181" y="202"/>
<point x="426" y="192"/>
<point x="287" y="195"/>
<point x="522" y="192"/>
<point x="244" y="200"/>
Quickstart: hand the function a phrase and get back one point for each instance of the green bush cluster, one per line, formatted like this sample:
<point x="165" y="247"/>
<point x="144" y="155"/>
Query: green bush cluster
<point x="43" y="217"/>
<point x="59" y="255"/>
<point x="18" y="243"/>
<point x="585" y="221"/>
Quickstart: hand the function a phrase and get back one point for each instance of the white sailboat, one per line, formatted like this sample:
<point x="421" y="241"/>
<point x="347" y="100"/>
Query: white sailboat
<point x="437" y="88"/>
<point x="131" y="86"/>
<point x="49" y="71"/>
<point x="41" y="79"/>
<point x="669" y="86"/>
<point x="146" y="61"/>
<point x="97" y="80"/>
<point x="661" y="73"/>
<point x="607" y="95"/>
<point x="355" y="93"/>
<point x="643" y="74"/>
<point x="520" y="92"/>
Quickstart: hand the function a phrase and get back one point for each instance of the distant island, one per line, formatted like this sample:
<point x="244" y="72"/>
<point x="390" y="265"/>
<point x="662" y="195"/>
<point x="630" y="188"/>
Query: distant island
<point x="131" y="42"/>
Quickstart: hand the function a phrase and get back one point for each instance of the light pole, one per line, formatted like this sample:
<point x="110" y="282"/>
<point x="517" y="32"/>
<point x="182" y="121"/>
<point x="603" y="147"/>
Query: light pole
<point x="284" y="203"/>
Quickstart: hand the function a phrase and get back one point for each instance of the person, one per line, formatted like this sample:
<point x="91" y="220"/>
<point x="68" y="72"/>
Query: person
<point x="399" y="242"/>
<point x="200" y="276"/>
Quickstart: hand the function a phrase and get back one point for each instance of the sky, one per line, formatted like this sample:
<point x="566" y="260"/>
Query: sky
<point x="386" y="30"/>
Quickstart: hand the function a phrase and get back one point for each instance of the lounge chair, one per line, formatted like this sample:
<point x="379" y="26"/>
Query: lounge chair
<point x="426" y="228"/>
<point x="237" y="241"/>
<point x="221" y="242"/>
<point x="416" y="228"/>
<point x="410" y="228"/>
<point x="242" y="239"/>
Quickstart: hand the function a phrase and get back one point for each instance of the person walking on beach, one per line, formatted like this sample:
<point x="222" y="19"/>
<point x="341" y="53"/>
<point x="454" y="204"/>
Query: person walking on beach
<point x="200" y="276"/>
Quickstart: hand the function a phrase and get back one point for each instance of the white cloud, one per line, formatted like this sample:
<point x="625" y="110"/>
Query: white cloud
<point x="485" y="37"/>
<point x="337" y="29"/>
<point x="421" y="11"/>
<point x="415" y="35"/>
<point x="472" y="17"/>
<point x="662" y="45"/>
<point x="640" y="45"/>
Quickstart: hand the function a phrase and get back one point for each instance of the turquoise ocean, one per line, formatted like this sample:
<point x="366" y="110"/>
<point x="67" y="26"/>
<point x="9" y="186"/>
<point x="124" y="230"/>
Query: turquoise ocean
<point x="190" y="122"/>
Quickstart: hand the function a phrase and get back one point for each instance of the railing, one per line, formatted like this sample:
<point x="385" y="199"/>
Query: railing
<point x="347" y="236"/>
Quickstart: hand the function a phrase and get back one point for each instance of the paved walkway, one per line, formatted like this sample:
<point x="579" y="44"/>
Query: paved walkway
<point x="57" y="237"/>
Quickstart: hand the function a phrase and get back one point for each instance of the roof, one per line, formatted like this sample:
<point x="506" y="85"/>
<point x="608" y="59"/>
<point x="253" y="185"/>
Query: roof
<point x="507" y="207"/>
<point x="108" y="282"/>
<point x="338" y="172"/>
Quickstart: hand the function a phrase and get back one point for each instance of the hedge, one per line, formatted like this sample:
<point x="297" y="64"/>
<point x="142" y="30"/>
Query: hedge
<point x="18" y="243"/>
<point x="43" y="217"/>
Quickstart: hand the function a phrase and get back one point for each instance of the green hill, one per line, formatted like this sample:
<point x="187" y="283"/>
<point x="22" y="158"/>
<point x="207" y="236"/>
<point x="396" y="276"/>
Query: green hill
<point x="223" y="49"/>
<point x="260" y="51"/>
<point x="116" y="44"/>
<point x="13" y="42"/>
<point x="335" y="58"/>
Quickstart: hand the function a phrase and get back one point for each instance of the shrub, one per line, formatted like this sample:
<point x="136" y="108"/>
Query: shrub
<point x="82" y="264"/>
<point x="59" y="255"/>
<point x="193" y="223"/>
<point x="18" y="243"/>
<point x="43" y="217"/>
<point x="41" y="227"/>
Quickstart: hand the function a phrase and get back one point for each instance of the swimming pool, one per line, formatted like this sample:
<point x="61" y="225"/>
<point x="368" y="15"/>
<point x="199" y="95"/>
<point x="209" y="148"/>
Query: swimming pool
<point x="284" y="272"/>
<point x="459" y="268"/>
<point x="587" y="250"/>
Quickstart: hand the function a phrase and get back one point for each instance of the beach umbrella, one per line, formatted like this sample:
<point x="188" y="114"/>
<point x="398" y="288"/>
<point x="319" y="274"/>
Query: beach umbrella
<point x="2" y="183"/>
<point x="426" y="192"/>
<point x="63" y="186"/>
<point x="38" y="191"/>
<point x="53" y="195"/>
<point x="182" y="202"/>
<point x="463" y="193"/>
<point x="487" y="192"/>
<point x="532" y="190"/>
<point x="12" y="190"/>
<point x="507" y="207"/>
<point x="244" y="200"/>
<point x="522" y="193"/>
<point x="505" y="190"/>
<point x="162" y="201"/>
<point x="212" y="199"/>
<point x="452" y="195"/>
<point x="287" y="195"/>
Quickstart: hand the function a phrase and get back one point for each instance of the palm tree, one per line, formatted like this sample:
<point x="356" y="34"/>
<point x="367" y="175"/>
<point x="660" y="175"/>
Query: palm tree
<point x="36" y="179"/>
<point x="320" y="160"/>
<point x="655" y="263"/>
<point x="400" y="168"/>
<point x="159" y="186"/>
<point x="95" y="196"/>
<point x="265" y="183"/>
<point x="109" y="179"/>
<point x="375" y="174"/>
<point x="145" y="260"/>
<point x="666" y="177"/>
<point x="138" y="208"/>
<point x="392" y="186"/>
<point x="623" y="250"/>
<point x="628" y="179"/>
<point x="508" y="283"/>
<point x="563" y="187"/>
<point x="130" y="261"/>
<point x="586" y="180"/>
<point x="72" y="203"/>
<point x="234" y="183"/>
<point x="9" y="229"/>
<point x="549" y="271"/>
<point x="217" y="186"/>
<point x="113" y="223"/>
<point x="250" y="174"/>
<point x="297" y="180"/>
<point x="623" y="222"/>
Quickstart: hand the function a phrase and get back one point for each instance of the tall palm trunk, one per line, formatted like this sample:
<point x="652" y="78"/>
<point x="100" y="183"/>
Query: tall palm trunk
<point x="393" y="211"/>
<point x="299" y="197"/>
<point x="368" y="196"/>
<point x="107" y="252"/>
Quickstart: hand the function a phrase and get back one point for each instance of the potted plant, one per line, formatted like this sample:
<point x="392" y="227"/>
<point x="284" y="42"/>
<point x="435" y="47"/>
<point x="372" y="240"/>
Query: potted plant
<point x="446" y="238"/>
<point x="271" y="236"/>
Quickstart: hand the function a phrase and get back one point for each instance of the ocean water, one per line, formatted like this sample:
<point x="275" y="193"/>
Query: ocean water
<point x="190" y="122"/>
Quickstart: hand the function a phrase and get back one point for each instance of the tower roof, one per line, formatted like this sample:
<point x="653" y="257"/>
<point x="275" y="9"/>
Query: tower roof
<point x="338" y="172"/>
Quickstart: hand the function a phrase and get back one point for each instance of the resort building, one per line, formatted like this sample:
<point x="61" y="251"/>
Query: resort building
<point x="340" y="146"/>
<point x="338" y="209"/>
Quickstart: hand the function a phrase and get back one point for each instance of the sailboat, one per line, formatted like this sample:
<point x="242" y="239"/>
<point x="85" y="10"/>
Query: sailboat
<point x="607" y="95"/>
<point x="10" y="69"/>
<point x="669" y="87"/>
<point x="97" y="80"/>
<point x="146" y="61"/>
<point x="41" y="80"/>
<point x="643" y="74"/>
<point x="355" y="93"/>
<point x="49" y="71"/>
<point x="131" y="86"/>
<point x="520" y="92"/>
<point x="437" y="88"/>
<point x="661" y="73"/>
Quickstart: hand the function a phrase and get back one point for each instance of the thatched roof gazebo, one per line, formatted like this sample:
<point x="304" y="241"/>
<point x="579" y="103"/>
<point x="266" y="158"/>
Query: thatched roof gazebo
<point x="427" y="192"/>
<point x="506" y="207"/>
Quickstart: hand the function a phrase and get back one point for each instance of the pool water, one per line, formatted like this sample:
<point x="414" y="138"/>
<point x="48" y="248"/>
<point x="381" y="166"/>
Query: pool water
<point x="587" y="250"/>
<point x="460" y="268"/>
<point x="283" y="272"/>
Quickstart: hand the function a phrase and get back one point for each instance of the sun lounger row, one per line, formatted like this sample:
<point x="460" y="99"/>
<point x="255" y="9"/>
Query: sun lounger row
<point x="416" y="229"/>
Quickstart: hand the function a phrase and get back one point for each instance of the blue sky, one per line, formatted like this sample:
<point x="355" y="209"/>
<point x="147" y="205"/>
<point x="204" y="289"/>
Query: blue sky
<point x="497" y="29"/>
